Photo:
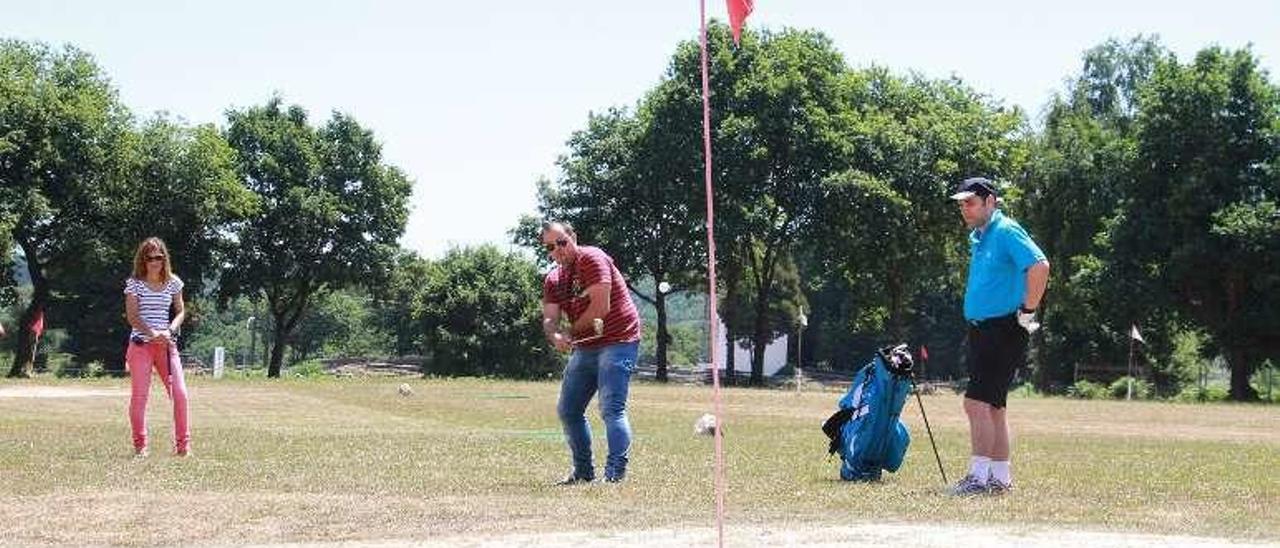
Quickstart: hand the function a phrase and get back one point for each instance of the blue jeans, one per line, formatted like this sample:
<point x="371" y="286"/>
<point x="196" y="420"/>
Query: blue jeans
<point x="607" y="369"/>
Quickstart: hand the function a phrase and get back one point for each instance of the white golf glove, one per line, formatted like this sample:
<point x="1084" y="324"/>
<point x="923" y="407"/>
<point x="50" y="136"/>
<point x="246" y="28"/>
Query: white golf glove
<point x="1027" y="319"/>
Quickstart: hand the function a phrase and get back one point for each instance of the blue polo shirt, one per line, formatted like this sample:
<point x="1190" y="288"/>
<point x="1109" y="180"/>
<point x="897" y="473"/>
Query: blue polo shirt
<point x="1000" y="255"/>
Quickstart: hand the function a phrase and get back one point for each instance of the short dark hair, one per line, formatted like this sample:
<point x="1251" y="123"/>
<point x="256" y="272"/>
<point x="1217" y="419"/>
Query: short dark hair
<point x="568" y="228"/>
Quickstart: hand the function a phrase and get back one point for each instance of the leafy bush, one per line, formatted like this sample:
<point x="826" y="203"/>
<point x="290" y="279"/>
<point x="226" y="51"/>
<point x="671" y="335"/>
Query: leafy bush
<point x="1024" y="389"/>
<point x="1184" y="364"/>
<point x="73" y="369"/>
<point x="688" y="344"/>
<point x="1211" y="393"/>
<point x="479" y="311"/>
<point x="1087" y="390"/>
<point x="1141" y="389"/>
<point x="254" y="373"/>
<point x="1266" y="374"/>
<point x="307" y="369"/>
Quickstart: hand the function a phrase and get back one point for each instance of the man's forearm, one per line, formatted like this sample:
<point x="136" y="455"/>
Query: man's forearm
<point x="549" y="328"/>
<point x="597" y="307"/>
<point x="585" y="323"/>
<point x="1037" y="281"/>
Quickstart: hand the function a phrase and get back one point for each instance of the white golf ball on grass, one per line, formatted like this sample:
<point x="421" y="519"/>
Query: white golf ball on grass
<point x="705" y="425"/>
<point x="664" y="288"/>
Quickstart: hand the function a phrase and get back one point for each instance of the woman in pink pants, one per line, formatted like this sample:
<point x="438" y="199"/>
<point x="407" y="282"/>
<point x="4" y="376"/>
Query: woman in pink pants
<point x="149" y="296"/>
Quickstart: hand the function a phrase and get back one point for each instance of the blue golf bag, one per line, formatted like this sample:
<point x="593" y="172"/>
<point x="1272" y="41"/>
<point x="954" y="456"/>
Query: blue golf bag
<point x="867" y="431"/>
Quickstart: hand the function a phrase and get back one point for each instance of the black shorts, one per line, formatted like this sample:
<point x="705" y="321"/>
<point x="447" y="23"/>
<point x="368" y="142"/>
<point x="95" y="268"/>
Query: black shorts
<point x="997" y="348"/>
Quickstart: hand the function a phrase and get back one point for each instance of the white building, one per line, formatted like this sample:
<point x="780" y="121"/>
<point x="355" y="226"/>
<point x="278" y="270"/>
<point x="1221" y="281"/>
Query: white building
<point x="775" y="354"/>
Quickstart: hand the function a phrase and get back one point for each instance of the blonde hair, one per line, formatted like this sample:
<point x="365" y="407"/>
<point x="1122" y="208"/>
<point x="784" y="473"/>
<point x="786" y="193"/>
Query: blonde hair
<point x="147" y="247"/>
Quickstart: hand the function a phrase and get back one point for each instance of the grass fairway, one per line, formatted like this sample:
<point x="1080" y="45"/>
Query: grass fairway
<point x="350" y="460"/>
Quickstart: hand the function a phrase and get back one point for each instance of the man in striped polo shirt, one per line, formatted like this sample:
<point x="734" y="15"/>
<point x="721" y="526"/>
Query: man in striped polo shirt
<point x="603" y="338"/>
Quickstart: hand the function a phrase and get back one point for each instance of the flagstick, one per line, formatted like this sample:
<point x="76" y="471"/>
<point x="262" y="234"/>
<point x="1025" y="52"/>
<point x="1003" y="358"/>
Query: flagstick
<point x="711" y="280"/>
<point x="1129" y="393"/>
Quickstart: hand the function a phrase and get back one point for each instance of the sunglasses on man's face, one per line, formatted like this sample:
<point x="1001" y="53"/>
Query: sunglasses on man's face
<point x="561" y="242"/>
<point x="155" y="258"/>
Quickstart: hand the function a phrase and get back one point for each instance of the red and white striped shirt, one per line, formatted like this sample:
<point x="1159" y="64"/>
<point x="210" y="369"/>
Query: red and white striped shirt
<point x="566" y="286"/>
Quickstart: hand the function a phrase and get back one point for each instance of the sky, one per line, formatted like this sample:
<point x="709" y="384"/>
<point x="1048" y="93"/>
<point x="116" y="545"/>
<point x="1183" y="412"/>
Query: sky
<point x="475" y="100"/>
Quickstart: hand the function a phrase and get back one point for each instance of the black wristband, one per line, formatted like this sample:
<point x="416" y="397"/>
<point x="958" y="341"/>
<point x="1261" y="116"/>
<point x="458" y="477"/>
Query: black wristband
<point x="1026" y="310"/>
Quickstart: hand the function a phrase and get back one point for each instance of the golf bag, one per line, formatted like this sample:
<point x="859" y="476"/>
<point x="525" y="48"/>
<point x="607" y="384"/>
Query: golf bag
<point x="867" y="431"/>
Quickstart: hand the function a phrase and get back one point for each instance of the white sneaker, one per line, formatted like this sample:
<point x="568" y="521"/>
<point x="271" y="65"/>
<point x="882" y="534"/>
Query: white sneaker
<point x="969" y="486"/>
<point x="997" y="487"/>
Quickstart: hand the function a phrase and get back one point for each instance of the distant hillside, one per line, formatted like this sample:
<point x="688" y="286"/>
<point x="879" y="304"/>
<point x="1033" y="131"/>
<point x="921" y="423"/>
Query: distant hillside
<point x="682" y="307"/>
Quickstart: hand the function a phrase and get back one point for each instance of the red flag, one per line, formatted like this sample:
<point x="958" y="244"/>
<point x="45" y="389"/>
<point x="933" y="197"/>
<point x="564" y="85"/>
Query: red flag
<point x="924" y="353"/>
<point x="37" y="324"/>
<point x="738" y="12"/>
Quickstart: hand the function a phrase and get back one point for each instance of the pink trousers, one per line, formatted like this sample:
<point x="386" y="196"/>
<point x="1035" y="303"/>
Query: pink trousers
<point x="162" y="357"/>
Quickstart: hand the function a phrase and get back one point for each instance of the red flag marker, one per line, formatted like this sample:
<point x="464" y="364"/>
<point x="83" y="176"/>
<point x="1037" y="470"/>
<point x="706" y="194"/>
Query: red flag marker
<point x="738" y="12"/>
<point x="37" y="324"/>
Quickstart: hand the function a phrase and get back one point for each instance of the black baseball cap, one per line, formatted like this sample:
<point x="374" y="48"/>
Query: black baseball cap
<point x="975" y="186"/>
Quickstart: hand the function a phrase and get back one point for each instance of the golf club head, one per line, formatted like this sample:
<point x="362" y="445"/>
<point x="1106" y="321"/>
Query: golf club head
<point x="898" y="359"/>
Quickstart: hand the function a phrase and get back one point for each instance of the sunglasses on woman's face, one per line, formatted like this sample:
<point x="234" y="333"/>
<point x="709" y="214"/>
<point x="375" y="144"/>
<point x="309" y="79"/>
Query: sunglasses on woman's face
<point x="561" y="242"/>
<point x="155" y="258"/>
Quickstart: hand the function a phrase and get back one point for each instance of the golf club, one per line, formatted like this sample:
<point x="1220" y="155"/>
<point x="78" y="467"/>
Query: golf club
<point x="916" y="389"/>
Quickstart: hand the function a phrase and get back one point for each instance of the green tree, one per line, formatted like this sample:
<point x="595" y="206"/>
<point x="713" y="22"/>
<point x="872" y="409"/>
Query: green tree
<point x="1199" y="220"/>
<point x="480" y="313"/>
<point x="887" y="237"/>
<point x="61" y="131"/>
<point x="331" y="213"/>
<point x="180" y="185"/>
<point x="630" y="186"/>
<point x="226" y="326"/>
<point x="742" y="313"/>
<point x="1083" y="161"/>
<point x="340" y="323"/>
<point x="776" y="136"/>
<point x="393" y="303"/>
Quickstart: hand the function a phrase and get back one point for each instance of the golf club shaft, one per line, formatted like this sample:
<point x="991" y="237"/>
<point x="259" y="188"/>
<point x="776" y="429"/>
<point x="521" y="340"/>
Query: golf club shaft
<point x="577" y="342"/>
<point x="929" y="430"/>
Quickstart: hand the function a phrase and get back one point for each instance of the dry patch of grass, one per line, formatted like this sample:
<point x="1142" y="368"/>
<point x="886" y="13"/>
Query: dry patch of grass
<point x="350" y="460"/>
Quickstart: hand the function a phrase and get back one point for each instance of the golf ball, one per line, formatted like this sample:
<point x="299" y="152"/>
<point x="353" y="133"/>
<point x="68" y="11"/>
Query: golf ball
<point x="664" y="287"/>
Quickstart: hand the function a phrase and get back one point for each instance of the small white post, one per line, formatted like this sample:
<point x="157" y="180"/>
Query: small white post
<point x="804" y="321"/>
<point x="219" y="356"/>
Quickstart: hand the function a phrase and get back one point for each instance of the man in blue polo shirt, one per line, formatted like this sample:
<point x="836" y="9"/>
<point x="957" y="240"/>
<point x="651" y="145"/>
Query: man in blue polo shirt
<point x="1007" y="277"/>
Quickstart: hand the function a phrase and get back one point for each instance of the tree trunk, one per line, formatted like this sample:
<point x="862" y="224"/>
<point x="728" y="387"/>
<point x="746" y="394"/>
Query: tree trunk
<point x="757" y="359"/>
<point x="664" y="338"/>
<point x="760" y="336"/>
<point x="731" y="289"/>
<point x="286" y="316"/>
<point x="730" y="376"/>
<point x="280" y="334"/>
<point x="24" y="354"/>
<point x="1240" y="389"/>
